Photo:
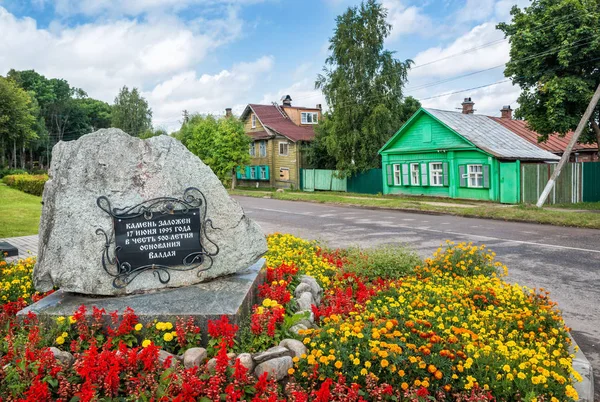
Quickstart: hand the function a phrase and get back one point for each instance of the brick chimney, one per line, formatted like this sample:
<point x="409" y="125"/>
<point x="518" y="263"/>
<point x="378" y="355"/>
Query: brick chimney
<point x="286" y="101"/>
<point x="506" y="112"/>
<point x="467" y="106"/>
<point x="228" y="112"/>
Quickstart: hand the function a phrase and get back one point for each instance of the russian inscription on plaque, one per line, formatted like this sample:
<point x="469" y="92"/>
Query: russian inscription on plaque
<point x="160" y="234"/>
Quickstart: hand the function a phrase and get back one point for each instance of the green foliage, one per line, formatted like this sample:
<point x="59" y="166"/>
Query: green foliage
<point x="17" y="119"/>
<point x="555" y="52"/>
<point x="153" y="133"/>
<point x="386" y="262"/>
<point x="221" y="143"/>
<point x="61" y="112"/>
<point x="31" y="184"/>
<point x="8" y="171"/>
<point x="363" y="85"/>
<point x="131" y="112"/>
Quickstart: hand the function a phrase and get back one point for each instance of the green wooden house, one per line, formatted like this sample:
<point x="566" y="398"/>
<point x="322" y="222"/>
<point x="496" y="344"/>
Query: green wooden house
<point x="458" y="155"/>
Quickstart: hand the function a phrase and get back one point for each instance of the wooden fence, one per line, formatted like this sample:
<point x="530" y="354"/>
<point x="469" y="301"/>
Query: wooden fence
<point x="568" y="187"/>
<point x="369" y="182"/>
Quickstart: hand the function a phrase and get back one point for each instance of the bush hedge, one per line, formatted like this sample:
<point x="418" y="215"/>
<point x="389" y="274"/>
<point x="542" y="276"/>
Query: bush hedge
<point x="8" y="171"/>
<point x="32" y="184"/>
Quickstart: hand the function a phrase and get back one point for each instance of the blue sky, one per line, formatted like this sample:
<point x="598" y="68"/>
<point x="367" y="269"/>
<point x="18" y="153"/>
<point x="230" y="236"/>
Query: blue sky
<point x="205" y="55"/>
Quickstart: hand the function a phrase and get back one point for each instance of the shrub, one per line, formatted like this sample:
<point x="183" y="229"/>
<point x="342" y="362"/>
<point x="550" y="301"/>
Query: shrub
<point x="32" y="184"/>
<point x="8" y="171"/>
<point x="386" y="262"/>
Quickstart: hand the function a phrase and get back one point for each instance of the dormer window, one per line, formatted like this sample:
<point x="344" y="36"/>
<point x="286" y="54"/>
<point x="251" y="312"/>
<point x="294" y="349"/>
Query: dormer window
<point x="310" y="118"/>
<point x="253" y="121"/>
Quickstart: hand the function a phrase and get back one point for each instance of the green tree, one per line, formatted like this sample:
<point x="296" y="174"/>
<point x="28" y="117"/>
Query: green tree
<point x="555" y="53"/>
<point x="362" y="83"/>
<point x="17" y="118"/>
<point x="153" y="133"/>
<point x="221" y="143"/>
<point x="131" y="112"/>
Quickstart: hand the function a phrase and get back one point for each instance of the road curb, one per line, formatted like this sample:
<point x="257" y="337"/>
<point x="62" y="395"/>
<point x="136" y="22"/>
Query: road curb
<point x="582" y="365"/>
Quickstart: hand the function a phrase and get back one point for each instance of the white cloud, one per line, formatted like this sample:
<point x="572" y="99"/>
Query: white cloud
<point x="206" y="93"/>
<point x="486" y="57"/>
<point x="488" y="100"/>
<point x="475" y="10"/>
<point x="303" y="93"/>
<point x="406" y="19"/>
<point x="102" y="57"/>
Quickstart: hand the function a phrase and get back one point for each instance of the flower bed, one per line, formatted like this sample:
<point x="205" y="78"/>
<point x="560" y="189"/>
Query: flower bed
<point x="450" y="330"/>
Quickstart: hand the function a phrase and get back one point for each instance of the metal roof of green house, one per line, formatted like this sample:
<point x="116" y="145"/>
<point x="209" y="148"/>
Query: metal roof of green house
<point x="491" y="136"/>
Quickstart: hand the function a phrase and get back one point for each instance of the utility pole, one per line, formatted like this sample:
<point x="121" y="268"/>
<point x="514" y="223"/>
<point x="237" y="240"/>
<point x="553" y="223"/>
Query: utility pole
<point x="582" y="123"/>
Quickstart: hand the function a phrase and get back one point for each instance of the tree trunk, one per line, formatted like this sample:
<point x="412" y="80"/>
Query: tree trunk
<point x="597" y="131"/>
<point x="23" y="156"/>
<point x="14" y="155"/>
<point x="233" y="178"/>
<point x="3" y="155"/>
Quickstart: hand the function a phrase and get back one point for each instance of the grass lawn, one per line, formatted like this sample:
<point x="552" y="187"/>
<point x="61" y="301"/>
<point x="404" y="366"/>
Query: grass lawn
<point x="19" y="212"/>
<point x="520" y="213"/>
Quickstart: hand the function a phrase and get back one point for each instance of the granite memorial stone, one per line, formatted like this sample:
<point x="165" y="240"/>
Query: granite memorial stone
<point x="123" y="215"/>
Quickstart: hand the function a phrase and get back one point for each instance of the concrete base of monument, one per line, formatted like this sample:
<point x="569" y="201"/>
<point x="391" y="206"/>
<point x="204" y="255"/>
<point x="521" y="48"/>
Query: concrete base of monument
<point x="232" y="296"/>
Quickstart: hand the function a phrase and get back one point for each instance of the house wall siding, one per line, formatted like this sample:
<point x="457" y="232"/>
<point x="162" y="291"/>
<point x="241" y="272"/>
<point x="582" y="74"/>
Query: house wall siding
<point x="416" y="138"/>
<point x="248" y="124"/>
<point x="295" y="115"/>
<point x="426" y="140"/>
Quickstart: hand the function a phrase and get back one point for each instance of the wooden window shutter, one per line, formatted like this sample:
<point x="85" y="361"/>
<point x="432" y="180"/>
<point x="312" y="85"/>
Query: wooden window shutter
<point x="405" y="175"/>
<point x="424" y="174"/>
<point x="486" y="176"/>
<point x="445" y="173"/>
<point x="390" y="178"/>
<point x="267" y="172"/>
<point x="462" y="172"/>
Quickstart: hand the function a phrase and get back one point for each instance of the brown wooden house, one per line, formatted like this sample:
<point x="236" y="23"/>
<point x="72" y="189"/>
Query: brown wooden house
<point x="279" y="133"/>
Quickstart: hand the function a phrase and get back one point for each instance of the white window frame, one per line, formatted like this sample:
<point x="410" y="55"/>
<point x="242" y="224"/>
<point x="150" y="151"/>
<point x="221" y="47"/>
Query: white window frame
<point x="262" y="148"/>
<point x="473" y="175"/>
<point x="252" y="172"/>
<point x="436" y="175"/>
<point x="287" y="148"/>
<point x="252" y="149"/>
<point x="314" y="117"/>
<point x="253" y="120"/>
<point x="397" y="174"/>
<point x="263" y="173"/>
<point x="415" y="174"/>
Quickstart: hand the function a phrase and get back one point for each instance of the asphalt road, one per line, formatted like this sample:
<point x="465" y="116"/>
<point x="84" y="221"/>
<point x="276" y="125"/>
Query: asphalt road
<point x="564" y="261"/>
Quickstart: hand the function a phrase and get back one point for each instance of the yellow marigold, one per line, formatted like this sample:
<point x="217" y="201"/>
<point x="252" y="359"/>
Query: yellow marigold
<point x="146" y="343"/>
<point x="338" y="365"/>
<point x="138" y="327"/>
<point x="60" y="340"/>
<point x="168" y="337"/>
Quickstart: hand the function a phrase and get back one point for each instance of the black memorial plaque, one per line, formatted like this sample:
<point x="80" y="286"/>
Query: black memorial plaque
<point x="158" y="235"/>
<point x="161" y="240"/>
